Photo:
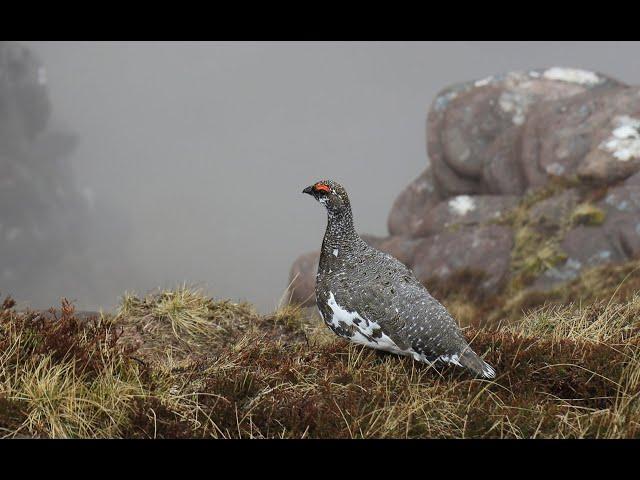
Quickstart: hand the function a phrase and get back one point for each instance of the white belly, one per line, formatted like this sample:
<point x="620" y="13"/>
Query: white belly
<point x="363" y="329"/>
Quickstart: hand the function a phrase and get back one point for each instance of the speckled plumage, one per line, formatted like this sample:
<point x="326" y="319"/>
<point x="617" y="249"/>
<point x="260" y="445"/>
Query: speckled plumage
<point x="371" y="298"/>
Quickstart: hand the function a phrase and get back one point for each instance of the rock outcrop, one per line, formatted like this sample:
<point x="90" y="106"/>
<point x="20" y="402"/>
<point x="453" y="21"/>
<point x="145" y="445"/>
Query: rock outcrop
<point x="47" y="220"/>
<point x="533" y="177"/>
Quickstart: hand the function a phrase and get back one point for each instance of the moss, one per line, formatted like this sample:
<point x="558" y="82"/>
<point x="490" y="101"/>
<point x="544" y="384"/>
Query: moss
<point x="536" y="248"/>
<point x="532" y="254"/>
<point x="587" y="214"/>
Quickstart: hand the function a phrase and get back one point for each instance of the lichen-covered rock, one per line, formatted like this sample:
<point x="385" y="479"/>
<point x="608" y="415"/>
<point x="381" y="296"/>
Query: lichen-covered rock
<point x="412" y="205"/>
<point x="533" y="177"/>
<point x="585" y="247"/>
<point x="484" y="250"/>
<point x="633" y="180"/>
<point x="551" y="214"/>
<point x="590" y="136"/>
<point x="25" y="107"/>
<point x="467" y="123"/>
<point x="469" y="127"/>
<point x="623" y="199"/>
<point x="622" y="224"/>
<point x="617" y="144"/>
<point x="627" y="228"/>
<point x="465" y="210"/>
<point x="503" y="172"/>
<point x="591" y="246"/>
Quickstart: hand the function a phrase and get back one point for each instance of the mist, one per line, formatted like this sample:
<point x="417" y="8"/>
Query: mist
<point x="200" y="151"/>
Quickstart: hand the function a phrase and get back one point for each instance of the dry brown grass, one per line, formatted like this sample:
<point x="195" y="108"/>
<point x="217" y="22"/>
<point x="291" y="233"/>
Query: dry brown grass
<point x="60" y="379"/>
<point x="563" y="372"/>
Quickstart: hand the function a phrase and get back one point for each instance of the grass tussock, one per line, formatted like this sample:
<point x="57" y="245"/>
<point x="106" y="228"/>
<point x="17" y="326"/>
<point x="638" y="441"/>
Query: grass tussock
<point x="180" y="320"/>
<point x="60" y="378"/>
<point x="613" y="283"/>
<point x="599" y="322"/>
<point x="176" y="364"/>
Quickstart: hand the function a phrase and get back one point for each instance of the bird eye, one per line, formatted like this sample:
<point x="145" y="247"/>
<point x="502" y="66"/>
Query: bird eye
<point x="321" y="187"/>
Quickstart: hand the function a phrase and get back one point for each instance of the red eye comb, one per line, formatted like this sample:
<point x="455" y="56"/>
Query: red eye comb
<point x="321" y="187"/>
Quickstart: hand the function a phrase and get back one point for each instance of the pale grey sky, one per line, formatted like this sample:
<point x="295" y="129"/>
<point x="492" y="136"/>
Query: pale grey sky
<point x="205" y="147"/>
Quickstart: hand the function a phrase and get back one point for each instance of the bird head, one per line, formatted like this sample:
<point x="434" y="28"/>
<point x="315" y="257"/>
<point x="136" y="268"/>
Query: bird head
<point x="331" y="194"/>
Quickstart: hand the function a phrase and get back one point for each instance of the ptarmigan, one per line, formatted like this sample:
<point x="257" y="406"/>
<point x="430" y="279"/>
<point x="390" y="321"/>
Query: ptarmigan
<point x="371" y="298"/>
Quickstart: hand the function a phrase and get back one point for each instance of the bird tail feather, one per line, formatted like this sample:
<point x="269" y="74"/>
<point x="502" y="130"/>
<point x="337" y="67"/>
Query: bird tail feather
<point x="473" y="362"/>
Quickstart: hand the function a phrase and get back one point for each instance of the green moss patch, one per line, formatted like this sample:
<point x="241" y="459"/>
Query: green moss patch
<point x="587" y="214"/>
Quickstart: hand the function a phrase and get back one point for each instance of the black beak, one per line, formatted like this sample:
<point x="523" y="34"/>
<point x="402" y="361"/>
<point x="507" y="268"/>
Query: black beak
<point x="308" y="190"/>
